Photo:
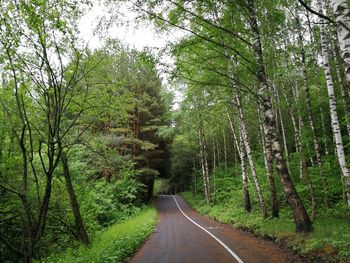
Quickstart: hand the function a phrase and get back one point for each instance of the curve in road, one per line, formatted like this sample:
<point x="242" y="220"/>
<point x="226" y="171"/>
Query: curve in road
<point x="182" y="235"/>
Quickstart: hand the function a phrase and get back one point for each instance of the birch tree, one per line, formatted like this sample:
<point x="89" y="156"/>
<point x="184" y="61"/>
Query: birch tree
<point x="333" y="105"/>
<point x="302" y="220"/>
<point x="342" y="16"/>
<point x="242" y="156"/>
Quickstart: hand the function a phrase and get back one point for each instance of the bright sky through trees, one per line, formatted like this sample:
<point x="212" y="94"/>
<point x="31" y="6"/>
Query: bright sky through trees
<point x="137" y="35"/>
<point x="242" y="107"/>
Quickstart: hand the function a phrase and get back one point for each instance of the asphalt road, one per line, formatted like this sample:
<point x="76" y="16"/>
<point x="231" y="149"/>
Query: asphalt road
<point x="182" y="235"/>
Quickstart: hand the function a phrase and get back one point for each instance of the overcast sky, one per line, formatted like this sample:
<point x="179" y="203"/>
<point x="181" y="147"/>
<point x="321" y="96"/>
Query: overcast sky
<point x="135" y="35"/>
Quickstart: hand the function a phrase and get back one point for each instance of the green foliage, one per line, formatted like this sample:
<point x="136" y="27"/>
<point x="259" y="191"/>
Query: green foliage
<point x="103" y="203"/>
<point x="111" y="108"/>
<point x="330" y="238"/>
<point x="108" y="112"/>
<point x="114" y="244"/>
<point x="161" y="186"/>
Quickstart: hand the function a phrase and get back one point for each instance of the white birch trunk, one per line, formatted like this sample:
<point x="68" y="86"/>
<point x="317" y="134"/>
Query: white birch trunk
<point x="205" y="186"/>
<point x="214" y="165"/>
<point x="342" y="84"/>
<point x="225" y="149"/>
<point x="302" y="220"/>
<point x="217" y="150"/>
<point x="278" y="100"/>
<point x="269" y="170"/>
<point x="206" y="166"/>
<point x="342" y="16"/>
<point x="294" y="121"/>
<point x="233" y="132"/>
<point x="316" y="53"/>
<point x="331" y="96"/>
<point x="326" y="146"/>
<point x="246" y="196"/>
<point x="248" y="150"/>
<point x="214" y="157"/>
<point x="242" y="157"/>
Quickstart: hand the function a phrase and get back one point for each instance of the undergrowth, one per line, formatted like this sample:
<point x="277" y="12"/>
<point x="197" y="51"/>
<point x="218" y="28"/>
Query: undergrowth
<point x="330" y="238"/>
<point x="114" y="244"/>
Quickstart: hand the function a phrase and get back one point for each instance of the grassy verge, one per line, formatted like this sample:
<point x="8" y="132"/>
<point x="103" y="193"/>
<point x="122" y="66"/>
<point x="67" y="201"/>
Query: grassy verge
<point x="115" y="244"/>
<point x="330" y="240"/>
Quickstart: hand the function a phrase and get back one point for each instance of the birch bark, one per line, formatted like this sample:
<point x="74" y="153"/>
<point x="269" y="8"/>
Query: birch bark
<point x="269" y="170"/>
<point x="344" y="87"/>
<point x="331" y="95"/>
<point x="242" y="156"/>
<point x="283" y="130"/>
<point x="214" y="165"/>
<point x="302" y="220"/>
<point x="294" y="121"/>
<point x="316" y="53"/>
<point x="342" y="16"/>
<point x="309" y="106"/>
<point x="203" y="165"/>
<point x="248" y="151"/>
<point x="225" y="149"/>
<point x="246" y="197"/>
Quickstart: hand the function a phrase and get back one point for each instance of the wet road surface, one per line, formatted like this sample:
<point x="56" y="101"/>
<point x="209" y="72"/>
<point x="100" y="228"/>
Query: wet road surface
<point x="182" y="235"/>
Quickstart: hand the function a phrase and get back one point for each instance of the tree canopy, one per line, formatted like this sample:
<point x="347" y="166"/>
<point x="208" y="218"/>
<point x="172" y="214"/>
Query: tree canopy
<point x="263" y="125"/>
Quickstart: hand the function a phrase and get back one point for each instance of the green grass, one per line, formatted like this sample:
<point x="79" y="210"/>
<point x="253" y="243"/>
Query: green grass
<point x="115" y="244"/>
<point x="330" y="238"/>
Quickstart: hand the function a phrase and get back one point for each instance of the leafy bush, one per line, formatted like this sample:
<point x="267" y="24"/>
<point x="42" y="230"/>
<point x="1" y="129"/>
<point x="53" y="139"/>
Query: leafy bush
<point x="103" y="203"/>
<point x="114" y="244"/>
<point x="331" y="234"/>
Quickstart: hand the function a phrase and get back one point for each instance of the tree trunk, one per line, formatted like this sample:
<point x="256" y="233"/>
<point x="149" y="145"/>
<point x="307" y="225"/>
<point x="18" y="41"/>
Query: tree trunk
<point x="246" y="197"/>
<point x="206" y="166"/>
<point x="309" y="106"/>
<point x="302" y="158"/>
<point x="267" y="151"/>
<point x="232" y="128"/>
<point x="225" y="149"/>
<point x="217" y="147"/>
<point x="313" y="132"/>
<point x="74" y="202"/>
<point x="204" y="163"/>
<point x="324" y="132"/>
<point x="278" y="100"/>
<point x="332" y="100"/>
<point x="194" y="177"/>
<point x="294" y="121"/>
<point x="342" y="16"/>
<point x="303" y="170"/>
<point x="249" y="155"/>
<point x="302" y="220"/>
<point x="214" y="165"/>
<point x="202" y="166"/>
<point x="242" y="157"/>
<point x="44" y="208"/>
<point x="315" y="58"/>
<point x="343" y="84"/>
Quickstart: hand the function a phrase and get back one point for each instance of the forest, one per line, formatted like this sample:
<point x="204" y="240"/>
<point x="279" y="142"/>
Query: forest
<point x="259" y="139"/>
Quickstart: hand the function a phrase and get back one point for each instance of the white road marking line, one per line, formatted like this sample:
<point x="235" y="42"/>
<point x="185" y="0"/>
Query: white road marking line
<point x="213" y="227"/>
<point x="213" y="236"/>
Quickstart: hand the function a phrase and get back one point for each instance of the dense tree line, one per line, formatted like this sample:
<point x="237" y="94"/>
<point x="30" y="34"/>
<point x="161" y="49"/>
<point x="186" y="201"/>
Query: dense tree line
<point x="79" y="148"/>
<point x="266" y="104"/>
<point x="265" y="85"/>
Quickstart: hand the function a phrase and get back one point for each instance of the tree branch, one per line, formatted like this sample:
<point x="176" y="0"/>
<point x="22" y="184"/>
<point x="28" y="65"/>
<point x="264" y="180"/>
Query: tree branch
<point x="322" y="15"/>
<point x="316" y="13"/>
<point x="11" y="247"/>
